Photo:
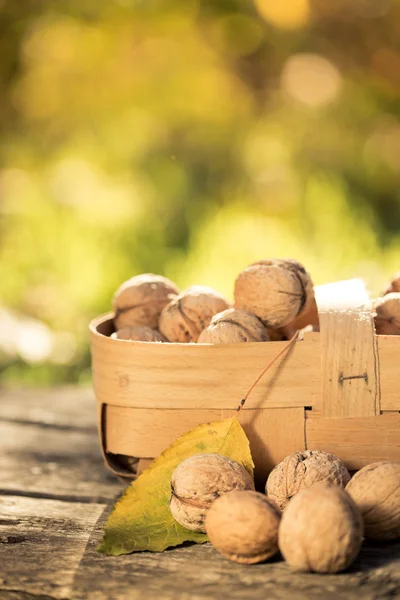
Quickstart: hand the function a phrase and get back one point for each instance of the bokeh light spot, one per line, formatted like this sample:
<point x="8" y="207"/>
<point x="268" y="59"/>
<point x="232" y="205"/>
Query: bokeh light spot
<point x="311" y="79"/>
<point x="291" y="14"/>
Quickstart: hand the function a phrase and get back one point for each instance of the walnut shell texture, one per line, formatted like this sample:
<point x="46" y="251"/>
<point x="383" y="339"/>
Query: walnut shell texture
<point x="243" y="526"/>
<point x="233" y="326"/>
<point x="183" y="319"/>
<point x="277" y="291"/>
<point x="321" y="530"/>
<point x="387" y="319"/>
<point x="376" y="491"/>
<point x="303" y="470"/>
<point x="198" y="481"/>
<point x="138" y="334"/>
<point x="140" y="300"/>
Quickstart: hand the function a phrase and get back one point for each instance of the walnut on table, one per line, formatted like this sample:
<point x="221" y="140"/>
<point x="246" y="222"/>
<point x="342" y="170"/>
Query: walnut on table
<point x="198" y="481"/>
<point x="321" y="530"/>
<point x="376" y="490"/>
<point x="303" y="470"/>
<point x="243" y="526"/>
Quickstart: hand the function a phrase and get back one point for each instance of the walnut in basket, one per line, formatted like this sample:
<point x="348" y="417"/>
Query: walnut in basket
<point x="138" y="334"/>
<point x="233" y="326"/>
<point x="387" y="318"/>
<point x="302" y="470"/>
<point x="140" y="300"/>
<point x="277" y="291"/>
<point x="183" y="319"/>
<point x="394" y="285"/>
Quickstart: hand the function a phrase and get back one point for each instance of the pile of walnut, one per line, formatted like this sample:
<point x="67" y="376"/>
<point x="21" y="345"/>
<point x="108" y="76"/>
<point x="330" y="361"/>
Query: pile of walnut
<point x="312" y="512"/>
<point x="273" y="298"/>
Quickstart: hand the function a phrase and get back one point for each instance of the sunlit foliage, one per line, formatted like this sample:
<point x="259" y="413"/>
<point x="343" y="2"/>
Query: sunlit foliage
<point x="188" y="139"/>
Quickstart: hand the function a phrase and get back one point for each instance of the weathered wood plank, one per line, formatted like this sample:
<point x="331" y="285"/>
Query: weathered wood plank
<point x="41" y="545"/>
<point x="199" y="572"/>
<point x="68" y="407"/>
<point x="42" y="542"/>
<point x="45" y="553"/>
<point x="53" y="463"/>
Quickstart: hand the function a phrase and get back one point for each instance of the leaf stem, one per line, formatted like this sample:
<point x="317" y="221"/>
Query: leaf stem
<point x="269" y="365"/>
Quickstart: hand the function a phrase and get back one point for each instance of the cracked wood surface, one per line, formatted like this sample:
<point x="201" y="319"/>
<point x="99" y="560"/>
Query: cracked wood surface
<point x="55" y="495"/>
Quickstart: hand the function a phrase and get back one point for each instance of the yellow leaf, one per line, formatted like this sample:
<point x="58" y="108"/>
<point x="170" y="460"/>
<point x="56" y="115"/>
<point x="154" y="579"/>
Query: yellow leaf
<point x="141" y="519"/>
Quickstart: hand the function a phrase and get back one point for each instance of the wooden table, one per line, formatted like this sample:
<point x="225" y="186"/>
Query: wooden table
<point x="55" y="494"/>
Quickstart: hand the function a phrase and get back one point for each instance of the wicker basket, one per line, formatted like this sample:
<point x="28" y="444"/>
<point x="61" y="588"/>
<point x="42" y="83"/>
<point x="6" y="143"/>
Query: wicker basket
<point x="337" y="390"/>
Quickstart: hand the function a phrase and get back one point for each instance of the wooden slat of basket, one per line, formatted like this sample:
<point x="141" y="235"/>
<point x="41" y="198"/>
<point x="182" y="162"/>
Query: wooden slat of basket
<point x="195" y="377"/>
<point x="349" y="353"/>
<point x="389" y="362"/>
<point x="358" y="441"/>
<point x="273" y="433"/>
<point x="350" y="365"/>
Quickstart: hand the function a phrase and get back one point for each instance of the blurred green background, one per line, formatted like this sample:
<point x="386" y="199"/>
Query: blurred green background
<point x="187" y="139"/>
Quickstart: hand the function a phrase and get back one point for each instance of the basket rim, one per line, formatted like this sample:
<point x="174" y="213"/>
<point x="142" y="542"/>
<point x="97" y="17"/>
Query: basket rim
<point x="101" y="319"/>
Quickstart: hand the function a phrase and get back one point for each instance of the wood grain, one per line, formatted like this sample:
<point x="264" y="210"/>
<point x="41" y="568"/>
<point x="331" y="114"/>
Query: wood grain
<point x="48" y="551"/>
<point x="200" y="573"/>
<point x="350" y="365"/>
<point x="357" y="441"/>
<point x="203" y="376"/>
<point x="389" y="360"/>
<point x="48" y="545"/>
<point x="273" y="433"/>
<point x="53" y="462"/>
<point x="64" y="408"/>
<point x="42" y="543"/>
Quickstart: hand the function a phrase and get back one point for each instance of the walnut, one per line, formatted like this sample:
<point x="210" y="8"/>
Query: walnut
<point x="243" y="526"/>
<point x="277" y="335"/>
<point x="394" y="285"/>
<point x="183" y="319"/>
<point x="302" y="470"/>
<point x="198" y="481"/>
<point x="139" y="334"/>
<point x="233" y="326"/>
<point x="376" y="491"/>
<point x="277" y="291"/>
<point x="140" y="300"/>
<point x="321" y="530"/>
<point x="387" y="319"/>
